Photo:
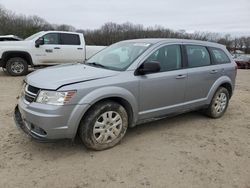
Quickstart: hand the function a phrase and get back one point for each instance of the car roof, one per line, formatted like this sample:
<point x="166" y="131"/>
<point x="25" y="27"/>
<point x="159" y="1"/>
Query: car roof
<point x="68" y="32"/>
<point x="174" y="40"/>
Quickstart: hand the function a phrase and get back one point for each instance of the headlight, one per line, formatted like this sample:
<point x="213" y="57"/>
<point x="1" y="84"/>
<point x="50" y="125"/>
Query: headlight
<point x="54" y="97"/>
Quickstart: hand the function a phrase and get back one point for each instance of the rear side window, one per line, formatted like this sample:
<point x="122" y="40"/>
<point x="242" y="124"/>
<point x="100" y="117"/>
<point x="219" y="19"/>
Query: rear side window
<point x="219" y="56"/>
<point x="198" y="56"/>
<point x="70" y="39"/>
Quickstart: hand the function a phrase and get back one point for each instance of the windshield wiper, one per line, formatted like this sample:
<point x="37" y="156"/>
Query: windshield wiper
<point x="95" y="64"/>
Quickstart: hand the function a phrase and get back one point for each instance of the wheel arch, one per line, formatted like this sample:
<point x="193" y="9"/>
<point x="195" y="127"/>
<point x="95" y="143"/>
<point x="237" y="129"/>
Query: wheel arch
<point x="22" y="54"/>
<point x="119" y="95"/>
<point x="223" y="81"/>
<point x="228" y="86"/>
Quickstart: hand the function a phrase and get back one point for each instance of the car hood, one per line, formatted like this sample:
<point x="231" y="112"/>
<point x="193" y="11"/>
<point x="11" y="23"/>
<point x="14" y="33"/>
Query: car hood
<point x="15" y="43"/>
<point x="53" y="78"/>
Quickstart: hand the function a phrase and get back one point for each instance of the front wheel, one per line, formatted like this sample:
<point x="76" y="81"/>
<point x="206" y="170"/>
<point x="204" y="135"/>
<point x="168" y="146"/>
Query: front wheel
<point x="219" y="103"/>
<point x="104" y="125"/>
<point x="17" y="66"/>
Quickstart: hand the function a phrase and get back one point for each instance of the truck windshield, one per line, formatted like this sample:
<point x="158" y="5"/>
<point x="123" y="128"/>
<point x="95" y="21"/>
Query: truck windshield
<point x="118" y="56"/>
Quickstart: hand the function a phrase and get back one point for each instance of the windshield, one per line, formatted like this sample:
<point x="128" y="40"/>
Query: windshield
<point x="118" y="56"/>
<point x="33" y="36"/>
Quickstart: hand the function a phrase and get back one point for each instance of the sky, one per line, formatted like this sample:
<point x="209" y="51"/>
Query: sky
<point x="222" y="16"/>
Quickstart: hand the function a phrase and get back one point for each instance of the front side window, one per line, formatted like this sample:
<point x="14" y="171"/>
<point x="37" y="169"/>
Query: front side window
<point x="70" y="39"/>
<point x="118" y="56"/>
<point x="219" y="56"/>
<point x="51" y="38"/>
<point x="198" y="56"/>
<point x="169" y="57"/>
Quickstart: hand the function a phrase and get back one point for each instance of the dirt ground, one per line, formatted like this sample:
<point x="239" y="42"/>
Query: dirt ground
<point x="189" y="150"/>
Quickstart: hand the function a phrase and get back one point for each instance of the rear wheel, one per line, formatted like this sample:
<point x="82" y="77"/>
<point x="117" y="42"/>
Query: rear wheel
<point x="219" y="103"/>
<point x="104" y="125"/>
<point x="17" y="66"/>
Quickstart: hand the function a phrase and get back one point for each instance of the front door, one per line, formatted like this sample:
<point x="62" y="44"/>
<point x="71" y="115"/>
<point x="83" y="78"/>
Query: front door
<point x="50" y="52"/>
<point x="163" y="92"/>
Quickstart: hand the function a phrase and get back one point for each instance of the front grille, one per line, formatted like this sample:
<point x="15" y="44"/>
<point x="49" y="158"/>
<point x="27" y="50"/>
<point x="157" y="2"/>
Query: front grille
<point x="30" y="93"/>
<point x="33" y="89"/>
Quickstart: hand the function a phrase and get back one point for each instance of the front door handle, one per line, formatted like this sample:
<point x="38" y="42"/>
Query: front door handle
<point x="57" y="48"/>
<point x="49" y="50"/>
<point x="213" y="71"/>
<point x="181" y="76"/>
<point x="79" y="48"/>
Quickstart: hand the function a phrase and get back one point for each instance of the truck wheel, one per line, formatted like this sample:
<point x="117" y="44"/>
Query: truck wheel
<point x="104" y="125"/>
<point x="17" y="66"/>
<point x="219" y="103"/>
<point x="4" y="69"/>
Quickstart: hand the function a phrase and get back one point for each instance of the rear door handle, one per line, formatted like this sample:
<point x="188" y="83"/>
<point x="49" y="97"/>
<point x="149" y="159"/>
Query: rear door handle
<point x="181" y="76"/>
<point x="57" y="48"/>
<point x="213" y="71"/>
<point x="79" y="48"/>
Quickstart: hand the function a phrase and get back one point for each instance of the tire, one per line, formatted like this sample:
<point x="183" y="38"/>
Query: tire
<point x="17" y="66"/>
<point x="219" y="103"/>
<point x="98" y="131"/>
<point x="4" y="69"/>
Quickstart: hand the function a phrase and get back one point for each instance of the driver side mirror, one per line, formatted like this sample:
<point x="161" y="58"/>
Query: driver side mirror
<point x="148" y="67"/>
<point x="39" y="42"/>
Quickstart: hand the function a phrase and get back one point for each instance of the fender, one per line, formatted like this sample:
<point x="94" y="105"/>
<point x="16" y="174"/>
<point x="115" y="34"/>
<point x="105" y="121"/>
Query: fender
<point x="16" y="53"/>
<point x="216" y="85"/>
<point x="105" y="93"/>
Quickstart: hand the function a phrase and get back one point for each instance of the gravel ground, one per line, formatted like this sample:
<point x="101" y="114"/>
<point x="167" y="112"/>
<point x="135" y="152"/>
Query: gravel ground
<point x="189" y="150"/>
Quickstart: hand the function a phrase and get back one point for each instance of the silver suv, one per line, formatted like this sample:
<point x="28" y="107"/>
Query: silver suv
<point x="126" y="84"/>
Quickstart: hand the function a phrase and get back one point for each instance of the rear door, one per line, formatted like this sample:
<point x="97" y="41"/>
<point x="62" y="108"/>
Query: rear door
<point x="202" y="73"/>
<point x="163" y="92"/>
<point x="71" y="48"/>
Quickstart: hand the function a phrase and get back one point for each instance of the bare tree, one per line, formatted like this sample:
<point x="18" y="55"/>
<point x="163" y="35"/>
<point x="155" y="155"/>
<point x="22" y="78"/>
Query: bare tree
<point x="109" y="33"/>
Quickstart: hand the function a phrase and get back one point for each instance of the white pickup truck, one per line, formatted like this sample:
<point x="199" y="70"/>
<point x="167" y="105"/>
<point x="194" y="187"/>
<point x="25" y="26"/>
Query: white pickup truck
<point x="43" y="49"/>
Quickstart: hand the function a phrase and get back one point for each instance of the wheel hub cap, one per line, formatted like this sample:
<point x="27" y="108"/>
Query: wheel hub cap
<point x="17" y="67"/>
<point x="107" y="127"/>
<point x="220" y="103"/>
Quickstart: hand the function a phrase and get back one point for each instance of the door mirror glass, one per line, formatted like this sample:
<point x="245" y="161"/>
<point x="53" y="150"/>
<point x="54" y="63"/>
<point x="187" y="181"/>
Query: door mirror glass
<point x="148" y="67"/>
<point x="39" y="42"/>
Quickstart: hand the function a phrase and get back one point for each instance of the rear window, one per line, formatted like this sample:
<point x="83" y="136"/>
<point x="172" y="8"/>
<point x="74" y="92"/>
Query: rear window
<point x="219" y="56"/>
<point x="198" y="56"/>
<point x="70" y="39"/>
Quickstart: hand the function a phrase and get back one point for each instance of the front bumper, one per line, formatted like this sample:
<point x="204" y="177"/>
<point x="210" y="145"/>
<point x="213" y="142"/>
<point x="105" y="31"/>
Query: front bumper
<point x="21" y="124"/>
<point x="47" y="123"/>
